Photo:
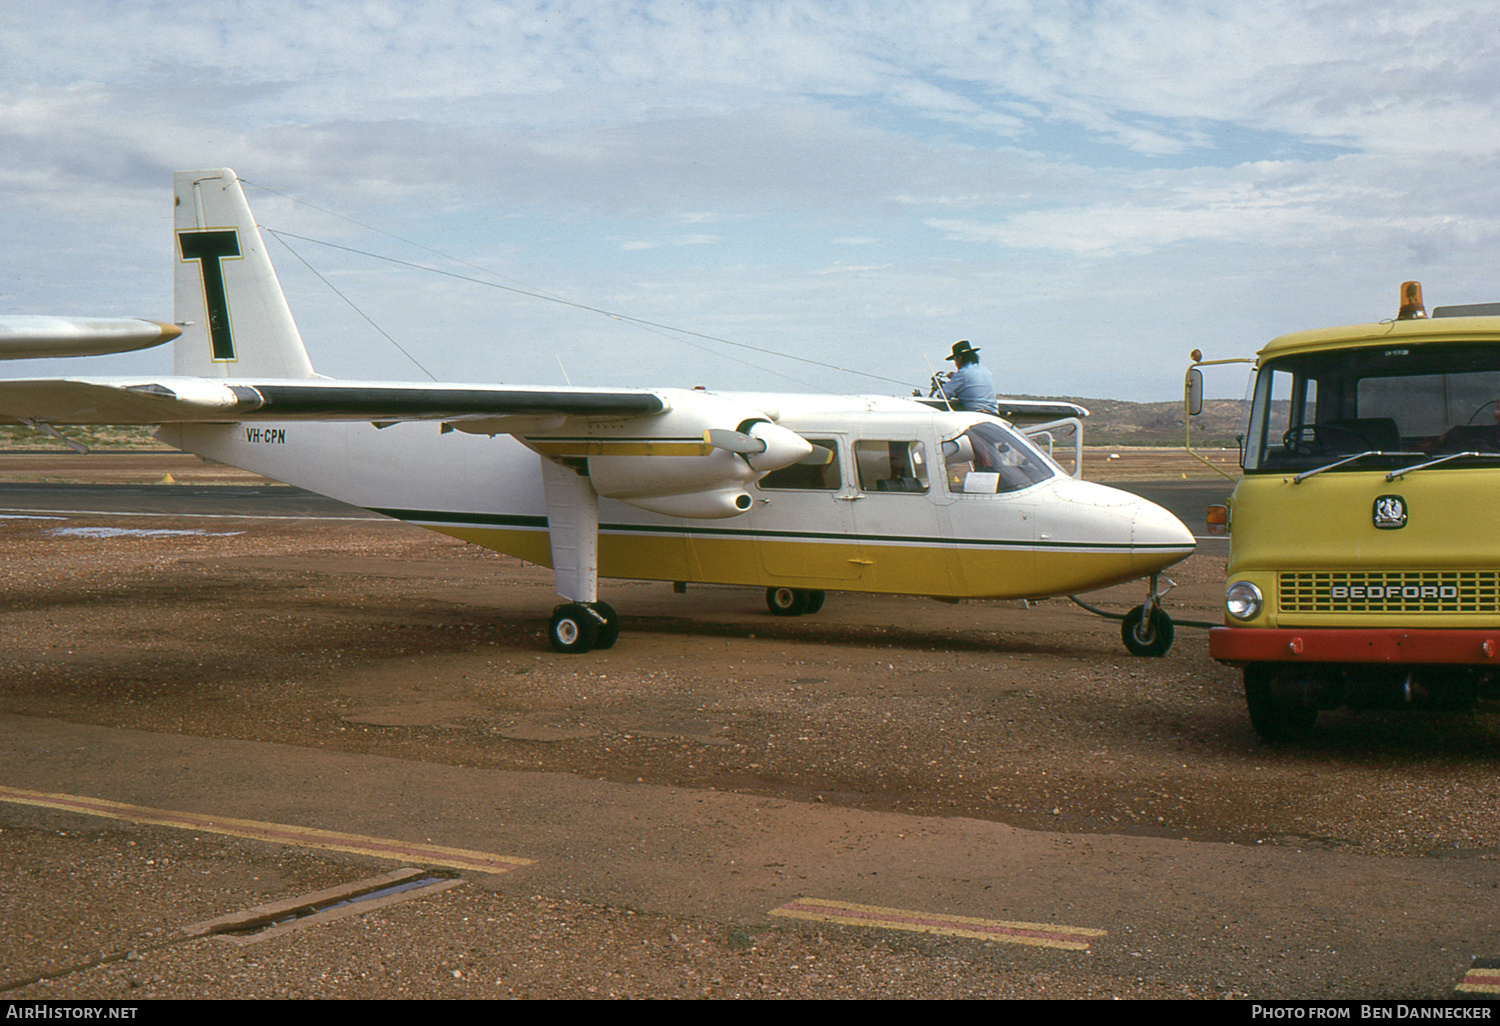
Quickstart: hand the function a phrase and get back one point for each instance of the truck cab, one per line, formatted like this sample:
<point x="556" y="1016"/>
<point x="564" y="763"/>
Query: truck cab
<point x="1364" y="561"/>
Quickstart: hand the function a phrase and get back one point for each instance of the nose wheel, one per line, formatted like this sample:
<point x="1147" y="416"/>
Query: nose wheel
<point x="1147" y="629"/>
<point x="1147" y="632"/>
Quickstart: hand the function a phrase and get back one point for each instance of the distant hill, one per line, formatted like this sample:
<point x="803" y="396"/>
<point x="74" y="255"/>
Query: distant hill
<point x="101" y="436"/>
<point x="1116" y="422"/>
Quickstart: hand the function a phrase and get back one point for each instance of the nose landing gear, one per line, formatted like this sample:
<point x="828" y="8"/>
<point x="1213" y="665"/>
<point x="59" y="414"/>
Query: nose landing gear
<point x="1146" y="630"/>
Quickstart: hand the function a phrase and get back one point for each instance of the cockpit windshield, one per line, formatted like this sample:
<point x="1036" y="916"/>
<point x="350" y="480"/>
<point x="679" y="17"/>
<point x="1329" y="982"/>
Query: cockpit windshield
<point x="1393" y="404"/>
<point x="988" y="458"/>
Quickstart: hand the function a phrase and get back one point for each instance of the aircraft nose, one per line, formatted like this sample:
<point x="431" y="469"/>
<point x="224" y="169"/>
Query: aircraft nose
<point x="1155" y="530"/>
<point x="1122" y="517"/>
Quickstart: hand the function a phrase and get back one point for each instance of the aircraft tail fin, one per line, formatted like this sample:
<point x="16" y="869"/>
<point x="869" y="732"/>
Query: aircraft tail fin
<point x="234" y="318"/>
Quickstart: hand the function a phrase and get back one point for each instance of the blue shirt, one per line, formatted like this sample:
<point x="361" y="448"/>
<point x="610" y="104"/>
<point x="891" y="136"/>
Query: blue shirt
<point x="971" y="388"/>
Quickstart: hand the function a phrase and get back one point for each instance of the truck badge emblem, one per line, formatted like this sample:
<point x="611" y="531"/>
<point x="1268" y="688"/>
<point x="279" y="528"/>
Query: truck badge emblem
<point x="1389" y="512"/>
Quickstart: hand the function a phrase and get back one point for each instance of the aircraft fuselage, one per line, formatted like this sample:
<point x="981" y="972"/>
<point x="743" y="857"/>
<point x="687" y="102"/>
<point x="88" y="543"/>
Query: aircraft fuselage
<point x="904" y="506"/>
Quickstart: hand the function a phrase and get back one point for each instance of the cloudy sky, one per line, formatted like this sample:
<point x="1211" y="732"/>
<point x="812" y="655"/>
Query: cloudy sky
<point x="807" y="195"/>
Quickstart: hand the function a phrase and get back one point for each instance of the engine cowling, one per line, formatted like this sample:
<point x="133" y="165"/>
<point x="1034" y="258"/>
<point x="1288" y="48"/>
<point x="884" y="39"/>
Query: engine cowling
<point x="710" y="484"/>
<point x="696" y="459"/>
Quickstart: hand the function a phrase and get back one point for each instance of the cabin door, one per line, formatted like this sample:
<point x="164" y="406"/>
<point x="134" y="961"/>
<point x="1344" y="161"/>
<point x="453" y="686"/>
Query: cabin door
<point x="803" y="521"/>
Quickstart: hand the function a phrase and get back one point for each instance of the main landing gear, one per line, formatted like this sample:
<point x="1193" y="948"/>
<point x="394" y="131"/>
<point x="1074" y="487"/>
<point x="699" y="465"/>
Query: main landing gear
<point x="581" y="626"/>
<point x="794" y="601"/>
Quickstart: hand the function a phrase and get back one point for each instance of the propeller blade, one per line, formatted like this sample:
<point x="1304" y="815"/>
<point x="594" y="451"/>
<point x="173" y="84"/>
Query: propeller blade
<point x="819" y="457"/>
<point x="734" y="441"/>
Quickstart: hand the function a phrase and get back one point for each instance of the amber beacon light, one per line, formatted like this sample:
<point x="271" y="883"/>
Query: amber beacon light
<point x="1411" y="302"/>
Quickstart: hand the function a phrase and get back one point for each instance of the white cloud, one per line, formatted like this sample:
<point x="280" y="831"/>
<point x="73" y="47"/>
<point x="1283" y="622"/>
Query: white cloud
<point x="636" y="245"/>
<point x="713" y="162"/>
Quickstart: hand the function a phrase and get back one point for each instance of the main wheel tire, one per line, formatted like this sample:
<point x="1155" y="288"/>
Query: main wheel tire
<point x="609" y="631"/>
<point x="786" y="601"/>
<point x="1145" y="636"/>
<point x="1278" y="719"/>
<point x="573" y="629"/>
<point x="814" y="601"/>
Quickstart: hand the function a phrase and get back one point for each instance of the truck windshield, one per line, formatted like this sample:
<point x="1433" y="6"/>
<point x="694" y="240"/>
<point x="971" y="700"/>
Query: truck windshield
<point x="1405" y="403"/>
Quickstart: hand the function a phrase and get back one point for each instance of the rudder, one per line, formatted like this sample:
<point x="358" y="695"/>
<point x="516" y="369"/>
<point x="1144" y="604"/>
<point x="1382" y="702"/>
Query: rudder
<point x="234" y="318"/>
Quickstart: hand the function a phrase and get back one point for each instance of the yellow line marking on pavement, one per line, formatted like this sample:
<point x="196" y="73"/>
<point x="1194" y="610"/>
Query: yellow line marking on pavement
<point x="1047" y="935"/>
<point x="280" y="833"/>
<point x="1483" y="977"/>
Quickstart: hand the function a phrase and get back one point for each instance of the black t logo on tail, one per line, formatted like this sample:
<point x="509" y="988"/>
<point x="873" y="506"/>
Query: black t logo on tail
<point x="208" y="248"/>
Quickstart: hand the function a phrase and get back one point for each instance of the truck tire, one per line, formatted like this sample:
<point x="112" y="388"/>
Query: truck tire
<point x="1278" y="718"/>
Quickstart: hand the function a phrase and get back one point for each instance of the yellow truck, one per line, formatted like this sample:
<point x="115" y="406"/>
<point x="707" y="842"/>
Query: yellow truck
<point x="1364" y="534"/>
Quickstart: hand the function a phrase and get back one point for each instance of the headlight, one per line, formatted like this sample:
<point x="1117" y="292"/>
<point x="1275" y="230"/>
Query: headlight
<point x="1243" y="600"/>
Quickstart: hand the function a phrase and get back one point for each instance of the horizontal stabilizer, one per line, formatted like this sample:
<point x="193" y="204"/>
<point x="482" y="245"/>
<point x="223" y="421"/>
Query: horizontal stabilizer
<point x="26" y="337"/>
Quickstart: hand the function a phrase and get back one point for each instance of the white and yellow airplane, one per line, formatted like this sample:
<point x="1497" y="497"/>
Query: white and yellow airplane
<point x="798" y="494"/>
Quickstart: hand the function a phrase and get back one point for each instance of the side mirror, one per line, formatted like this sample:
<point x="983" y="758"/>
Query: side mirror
<point x="1192" y="392"/>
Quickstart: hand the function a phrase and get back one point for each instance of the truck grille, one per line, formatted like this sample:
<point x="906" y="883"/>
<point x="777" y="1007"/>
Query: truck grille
<point x="1390" y="591"/>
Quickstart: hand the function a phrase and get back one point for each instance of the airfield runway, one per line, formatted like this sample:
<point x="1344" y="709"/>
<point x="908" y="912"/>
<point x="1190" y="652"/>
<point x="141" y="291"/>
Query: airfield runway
<point x="215" y="701"/>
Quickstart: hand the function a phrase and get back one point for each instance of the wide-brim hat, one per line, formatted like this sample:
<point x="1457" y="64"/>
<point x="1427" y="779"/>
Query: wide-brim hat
<point x="961" y="349"/>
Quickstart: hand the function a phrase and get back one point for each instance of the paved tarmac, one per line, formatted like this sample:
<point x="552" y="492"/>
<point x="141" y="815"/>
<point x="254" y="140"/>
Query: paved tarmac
<point x="1269" y="920"/>
<point x="1167" y="907"/>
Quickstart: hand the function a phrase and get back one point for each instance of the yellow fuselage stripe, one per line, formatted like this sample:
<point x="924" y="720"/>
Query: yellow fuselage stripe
<point x="944" y="571"/>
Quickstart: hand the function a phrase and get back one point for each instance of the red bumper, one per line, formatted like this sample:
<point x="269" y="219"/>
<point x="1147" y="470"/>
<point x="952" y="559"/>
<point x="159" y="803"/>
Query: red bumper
<point x="1354" y="645"/>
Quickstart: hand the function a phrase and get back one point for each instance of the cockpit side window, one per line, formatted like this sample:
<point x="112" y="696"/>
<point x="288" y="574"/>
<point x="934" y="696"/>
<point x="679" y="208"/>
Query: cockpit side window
<point x="987" y="459"/>
<point x="891" y="466"/>
<point x="810" y="474"/>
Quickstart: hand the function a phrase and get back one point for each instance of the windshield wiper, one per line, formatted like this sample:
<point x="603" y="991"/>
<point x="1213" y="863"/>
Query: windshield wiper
<point x="1350" y="459"/>
<point x="1432" y="463"/>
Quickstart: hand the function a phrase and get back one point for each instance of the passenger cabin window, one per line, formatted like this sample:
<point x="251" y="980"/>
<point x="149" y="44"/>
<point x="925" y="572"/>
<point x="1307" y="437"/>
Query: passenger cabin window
<point x="814" y="473"/>
<point x="987" y="459"/>
<point x="891" y="466"/>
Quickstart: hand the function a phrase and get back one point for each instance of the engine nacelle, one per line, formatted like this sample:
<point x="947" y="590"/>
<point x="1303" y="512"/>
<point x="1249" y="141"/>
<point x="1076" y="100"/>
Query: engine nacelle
<point x="709" y="485"/>
<point x="714" y="505"/>
<point x="696" y="459"/>
<point x="645" y="477"/>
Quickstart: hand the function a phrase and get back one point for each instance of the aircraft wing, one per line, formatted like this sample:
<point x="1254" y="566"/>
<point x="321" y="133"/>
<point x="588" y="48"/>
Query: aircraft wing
<point x="26" y="337"/>
<point x="1035" y="411"/>
<point x="179" y="400"/>
<point x="1025" y="412"/>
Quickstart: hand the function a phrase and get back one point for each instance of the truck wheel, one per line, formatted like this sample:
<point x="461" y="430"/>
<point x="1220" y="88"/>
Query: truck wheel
<point x="1147" y="636"/>
<point x="1278" y="719"/>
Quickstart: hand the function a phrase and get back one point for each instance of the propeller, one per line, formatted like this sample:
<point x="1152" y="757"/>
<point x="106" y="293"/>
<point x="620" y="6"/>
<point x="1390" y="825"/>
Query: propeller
<point x="734" y="441"/>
